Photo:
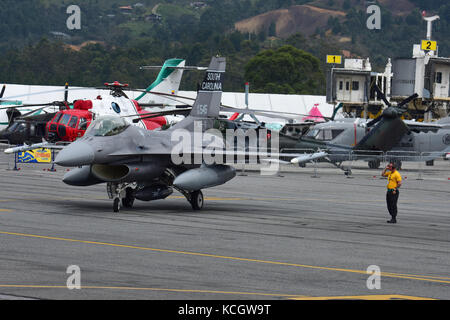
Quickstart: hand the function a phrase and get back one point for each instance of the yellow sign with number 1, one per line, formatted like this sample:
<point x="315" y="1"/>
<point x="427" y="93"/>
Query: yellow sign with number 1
<point x="429" y="45"/>
<point x="334" y="59"/>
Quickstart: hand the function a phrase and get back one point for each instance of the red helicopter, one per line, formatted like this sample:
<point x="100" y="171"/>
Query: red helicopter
<point x="70" y="124"/>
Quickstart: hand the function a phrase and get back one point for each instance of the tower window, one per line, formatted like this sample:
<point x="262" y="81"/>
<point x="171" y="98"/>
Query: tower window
<point x="438" y="77"/>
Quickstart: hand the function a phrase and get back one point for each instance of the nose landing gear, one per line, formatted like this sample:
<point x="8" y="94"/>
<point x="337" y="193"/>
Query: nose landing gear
<point x="121" y="192"/>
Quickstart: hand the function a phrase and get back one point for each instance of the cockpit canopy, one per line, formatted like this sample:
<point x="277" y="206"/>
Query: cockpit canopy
<point x="107" y="126"/>
<point x="324" y="134"/>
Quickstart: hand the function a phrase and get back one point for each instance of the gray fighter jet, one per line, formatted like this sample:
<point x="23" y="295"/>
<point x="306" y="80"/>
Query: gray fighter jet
<point x="139" y="164"/>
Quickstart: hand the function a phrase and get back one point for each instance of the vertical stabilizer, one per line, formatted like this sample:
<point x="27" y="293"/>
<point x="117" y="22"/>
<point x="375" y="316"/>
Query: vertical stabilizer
<point x="209" y="97"/>
<point x="168" y="80"/>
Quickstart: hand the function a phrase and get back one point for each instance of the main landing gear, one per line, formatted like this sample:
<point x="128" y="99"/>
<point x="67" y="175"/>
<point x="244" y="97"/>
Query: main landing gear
<point x="197" y="200"/>
<point x="339" y="165"/>
<point x="128" y="201"/>
<point x="122" y="195"/>
<point x="374" y="164"/>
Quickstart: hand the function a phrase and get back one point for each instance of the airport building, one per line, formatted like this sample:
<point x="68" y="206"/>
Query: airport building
<point x="352" y="86"/>
<point x="424" y="73"/>
<point x="428" y="75"/>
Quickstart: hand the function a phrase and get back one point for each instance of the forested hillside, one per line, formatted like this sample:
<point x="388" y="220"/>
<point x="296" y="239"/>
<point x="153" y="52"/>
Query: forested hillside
<point x="117" y="36"/>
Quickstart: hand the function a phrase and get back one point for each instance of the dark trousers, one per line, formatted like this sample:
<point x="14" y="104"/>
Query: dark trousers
<point x="391" y="200"/>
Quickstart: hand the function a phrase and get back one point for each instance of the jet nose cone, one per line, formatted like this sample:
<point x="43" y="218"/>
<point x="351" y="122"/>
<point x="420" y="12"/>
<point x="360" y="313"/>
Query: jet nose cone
<point x="75" y="154"/>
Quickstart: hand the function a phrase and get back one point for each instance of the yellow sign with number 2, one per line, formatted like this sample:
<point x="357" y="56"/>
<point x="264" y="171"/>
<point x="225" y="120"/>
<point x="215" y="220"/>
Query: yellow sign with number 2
<point x="429" y="45"/>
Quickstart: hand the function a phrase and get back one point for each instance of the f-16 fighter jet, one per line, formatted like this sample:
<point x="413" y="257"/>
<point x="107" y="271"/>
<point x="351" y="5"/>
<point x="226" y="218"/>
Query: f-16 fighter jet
<point x="140" y="164"/>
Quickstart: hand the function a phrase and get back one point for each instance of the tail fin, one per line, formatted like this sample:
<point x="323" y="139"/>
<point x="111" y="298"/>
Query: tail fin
<point x="168" y="80"/>
<point x="209" y="97"/>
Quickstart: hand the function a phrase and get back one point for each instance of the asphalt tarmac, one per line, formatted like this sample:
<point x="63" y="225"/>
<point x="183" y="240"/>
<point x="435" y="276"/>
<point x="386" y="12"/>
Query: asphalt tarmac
<point x="258" y="237"/>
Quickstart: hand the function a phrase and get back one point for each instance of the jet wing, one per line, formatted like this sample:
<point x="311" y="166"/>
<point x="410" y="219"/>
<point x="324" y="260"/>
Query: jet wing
<point x="216" y="152"/>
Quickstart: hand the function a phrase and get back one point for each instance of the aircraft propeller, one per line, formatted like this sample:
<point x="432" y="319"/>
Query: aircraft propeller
<point x="391" y="112"/>
<point x="3" y="91"/>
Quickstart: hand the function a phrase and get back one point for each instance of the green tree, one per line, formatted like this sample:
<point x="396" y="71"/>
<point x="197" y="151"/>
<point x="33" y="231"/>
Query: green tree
<point x="346" y="5"/>
<point x="286" y="70"/>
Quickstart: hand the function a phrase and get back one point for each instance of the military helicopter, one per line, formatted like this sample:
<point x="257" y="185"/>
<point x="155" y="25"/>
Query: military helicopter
<point x="336" y="142"/>
<point x="344" y="139"/>
<point x="72" y="119"/>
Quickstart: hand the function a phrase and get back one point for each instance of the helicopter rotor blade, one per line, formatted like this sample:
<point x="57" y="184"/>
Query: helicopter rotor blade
<point x="269" y="113"/>
<point x="381" y="95"/>
<point x="407" y="100"/>
<point x="32" y="112"/>
<point x="55" y="103"/>
<point x="3" y="91"/>
<point x="393" y="112"/>
<point x="374" y="121"/>
<point x="164" y="113"/>
<point x="46" y="92"/>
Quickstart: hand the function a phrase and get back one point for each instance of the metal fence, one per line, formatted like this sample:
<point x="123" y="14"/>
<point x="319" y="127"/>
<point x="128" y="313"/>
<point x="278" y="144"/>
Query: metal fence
<point x="348" y="162"/>
<point x="417" y="165"/>
<point x="11" y="161"/>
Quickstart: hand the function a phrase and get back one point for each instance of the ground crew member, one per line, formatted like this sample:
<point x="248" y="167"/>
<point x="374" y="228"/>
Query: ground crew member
<point x="394" y="183"/>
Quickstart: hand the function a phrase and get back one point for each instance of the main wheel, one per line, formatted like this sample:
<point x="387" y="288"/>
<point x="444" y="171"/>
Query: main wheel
<point x="430" y="163"/>
<point x="374" y="164"/>
<point x="197" y="200"/>
<point x="116" y="205"/>
<point x="128" y="201"/>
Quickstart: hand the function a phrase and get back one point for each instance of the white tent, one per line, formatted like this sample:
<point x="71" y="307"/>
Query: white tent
<point x="297" y="104"/>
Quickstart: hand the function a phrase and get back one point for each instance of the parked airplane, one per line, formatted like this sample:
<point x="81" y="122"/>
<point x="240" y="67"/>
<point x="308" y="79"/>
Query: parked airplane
<point x="422" y="141"/>
<point x="137" y="164"/>
<point x="415" y="141"/>
<point x="338" y="142"/>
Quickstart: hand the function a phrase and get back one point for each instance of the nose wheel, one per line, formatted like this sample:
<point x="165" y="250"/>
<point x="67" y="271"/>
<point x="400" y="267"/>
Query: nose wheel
<point x="374" y="164"/>
<point x="128" y="201"/>
<point x="122" y="194"/>
<point x="197" y="200"/>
